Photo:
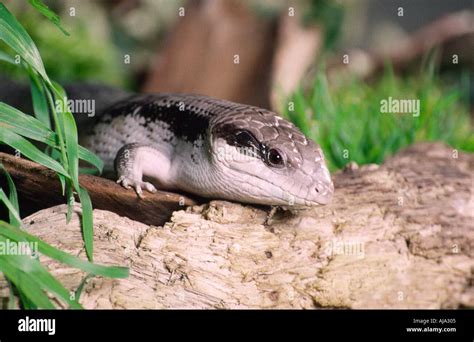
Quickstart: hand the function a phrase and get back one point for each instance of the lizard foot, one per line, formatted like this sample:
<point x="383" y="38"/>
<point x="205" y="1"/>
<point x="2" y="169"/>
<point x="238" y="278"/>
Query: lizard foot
<point x="128" y="183"/>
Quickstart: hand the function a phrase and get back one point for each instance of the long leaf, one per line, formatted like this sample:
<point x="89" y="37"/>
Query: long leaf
<point x="42" y="277"/>
<point x="6" y="58"/>
<point x="87" y="222"/>
<point x="54" y="253"/>
<point x="59" y="129"/>
<point x="30" y="127"/>
<point x="91" y="158"/>
<point x="28" y="149"/>
<point x="44" y="10"/>
<point x="67" y="123"/>
<point x="11" y="208"/>
<point x="26" y="284"/>
<point x="70" y="135"/>
<point x="15" y="36"/>
<point x="40" y="105"/>
<point x="26" y="125"/>
<point x="14" y="216"/>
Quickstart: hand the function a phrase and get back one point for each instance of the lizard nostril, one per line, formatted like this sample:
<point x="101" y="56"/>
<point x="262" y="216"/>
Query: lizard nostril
<point x="317" y="190"/>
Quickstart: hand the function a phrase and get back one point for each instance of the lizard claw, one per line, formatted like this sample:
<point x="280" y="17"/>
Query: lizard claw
<point x="128" y="183"/>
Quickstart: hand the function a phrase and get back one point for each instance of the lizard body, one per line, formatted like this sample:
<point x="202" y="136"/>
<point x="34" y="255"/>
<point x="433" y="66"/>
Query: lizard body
<point x="210" y="147"/>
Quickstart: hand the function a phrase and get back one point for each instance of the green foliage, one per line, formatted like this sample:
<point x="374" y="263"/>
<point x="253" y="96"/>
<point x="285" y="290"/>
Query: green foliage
<point x="347" y="122"/>
<point x="330" y="15"/>
<point x="26" y="274"/>
<point x="44" y="10"/>
<point x="84" y="55"/>
<point x="14" y="121"/>
<point x="32" y="279"/>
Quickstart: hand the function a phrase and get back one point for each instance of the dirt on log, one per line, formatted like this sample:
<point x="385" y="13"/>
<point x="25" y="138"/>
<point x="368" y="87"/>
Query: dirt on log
<point x="400" y="235"/>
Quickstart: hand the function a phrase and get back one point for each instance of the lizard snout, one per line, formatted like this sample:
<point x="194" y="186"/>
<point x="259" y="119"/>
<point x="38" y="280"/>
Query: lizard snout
<point x="323" y="187"/>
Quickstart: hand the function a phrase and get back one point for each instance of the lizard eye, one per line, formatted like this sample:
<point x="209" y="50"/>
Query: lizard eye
<point x="275" y="158"/>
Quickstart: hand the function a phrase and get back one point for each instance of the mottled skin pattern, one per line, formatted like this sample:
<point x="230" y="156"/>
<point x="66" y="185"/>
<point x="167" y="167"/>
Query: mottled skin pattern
<point x="213" y="148"/>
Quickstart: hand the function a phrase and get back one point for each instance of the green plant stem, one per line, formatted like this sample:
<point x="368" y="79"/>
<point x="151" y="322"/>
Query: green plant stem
<point x="59" y="130"/>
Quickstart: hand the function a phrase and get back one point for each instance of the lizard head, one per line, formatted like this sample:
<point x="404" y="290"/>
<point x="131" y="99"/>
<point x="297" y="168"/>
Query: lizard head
<point x="270" y="160"/>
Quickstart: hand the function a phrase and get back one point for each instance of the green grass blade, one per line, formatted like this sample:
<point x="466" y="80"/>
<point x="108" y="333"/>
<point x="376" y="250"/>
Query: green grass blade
<point x="6" y="58"/>
<point x="70" y="203"/>
<point x="70" y="135"/>
<point x="26" y="303"/>
<point x="15" y="36"/>
<point x="87" y="223"/>
<point x="30" y="127"/>
<point x="348" y="116"/>
<point x="42" y="278"/>
<point x="14" y="216"/>
<point x="59" y="129"/>
<point x="29" y="150"/>
<point x="91" y="158"/>
<point x="44" y="10"/>
<point x="40" y="105"/>
<point x="71" y="140"/>
<point x="25" y="125"/>
<point x="26" y="284"/>
<point x="78" y="292"/>
<point x="54" y="253"/>
<point x="62" y="180"/>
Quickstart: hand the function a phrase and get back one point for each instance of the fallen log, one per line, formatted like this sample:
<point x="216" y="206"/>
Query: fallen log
<point x="400" y="235"/>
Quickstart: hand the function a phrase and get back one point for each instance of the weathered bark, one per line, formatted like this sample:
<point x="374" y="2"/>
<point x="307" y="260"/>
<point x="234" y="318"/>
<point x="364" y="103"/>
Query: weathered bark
<point x="39" y="188"/>
<point x="396" y="236"/>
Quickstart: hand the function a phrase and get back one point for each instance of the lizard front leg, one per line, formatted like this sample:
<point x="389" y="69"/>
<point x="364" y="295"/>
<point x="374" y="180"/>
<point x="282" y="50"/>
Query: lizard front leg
<point x="135" y="161"/>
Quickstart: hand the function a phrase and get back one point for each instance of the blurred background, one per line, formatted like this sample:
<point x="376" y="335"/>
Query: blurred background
<point x="326" y="65"/>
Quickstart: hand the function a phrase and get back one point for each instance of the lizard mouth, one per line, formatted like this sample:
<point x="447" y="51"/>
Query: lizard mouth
<point x="271" y="192"/>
